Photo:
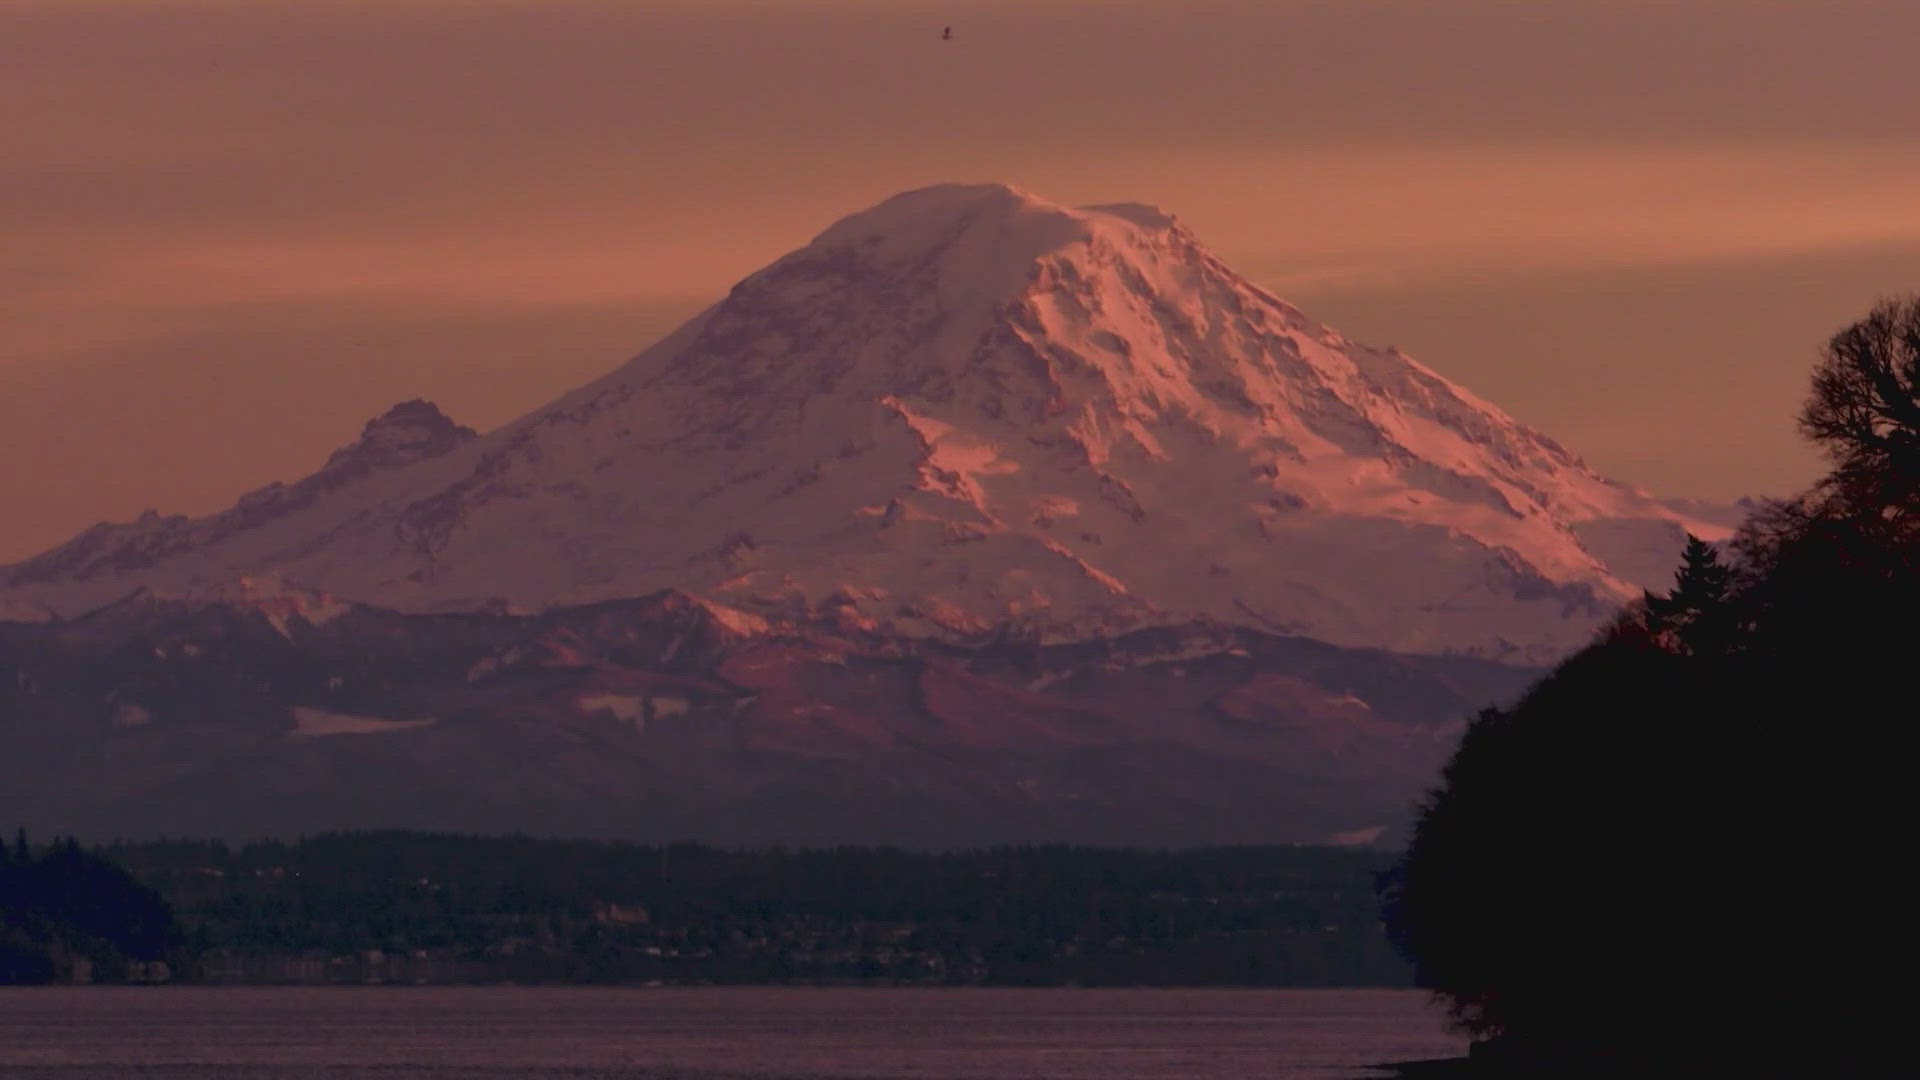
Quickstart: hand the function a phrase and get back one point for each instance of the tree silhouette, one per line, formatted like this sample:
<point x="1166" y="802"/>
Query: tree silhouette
<point x="1865" y="406"/>
<point x="1695" y="617"/>
<point x="1663" y="848"/>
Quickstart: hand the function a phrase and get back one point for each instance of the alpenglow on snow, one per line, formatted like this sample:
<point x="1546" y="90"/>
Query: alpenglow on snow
<point x="966" y="411"/>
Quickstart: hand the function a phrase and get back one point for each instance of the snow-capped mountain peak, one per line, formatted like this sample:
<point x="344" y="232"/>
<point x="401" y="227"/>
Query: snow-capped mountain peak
<point x="969" y="411"/>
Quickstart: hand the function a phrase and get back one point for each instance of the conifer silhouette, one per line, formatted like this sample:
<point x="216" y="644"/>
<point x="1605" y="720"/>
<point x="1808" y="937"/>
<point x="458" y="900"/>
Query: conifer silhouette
<point x="1695" y="616"/>
<point x="1644" y="862"/>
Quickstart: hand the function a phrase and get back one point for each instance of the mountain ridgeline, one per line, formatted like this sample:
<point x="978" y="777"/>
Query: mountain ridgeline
<point x="275" y="712"/>
<point x="976" y="519"/>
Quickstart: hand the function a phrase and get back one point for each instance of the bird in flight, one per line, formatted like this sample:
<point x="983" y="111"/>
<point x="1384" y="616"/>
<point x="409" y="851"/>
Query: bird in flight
<point x="947" y="34"/>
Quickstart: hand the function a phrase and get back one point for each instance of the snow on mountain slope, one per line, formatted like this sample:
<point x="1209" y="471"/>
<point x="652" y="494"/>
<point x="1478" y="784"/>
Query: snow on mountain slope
<point x="409" y="432"/>
<point x="969" y="411"/>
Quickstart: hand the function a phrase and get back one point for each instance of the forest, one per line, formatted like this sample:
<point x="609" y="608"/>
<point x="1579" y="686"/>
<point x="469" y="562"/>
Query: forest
<point x="406" y="907"/>
<point x="1680" y="846"/>
<point x="67" y="913"/>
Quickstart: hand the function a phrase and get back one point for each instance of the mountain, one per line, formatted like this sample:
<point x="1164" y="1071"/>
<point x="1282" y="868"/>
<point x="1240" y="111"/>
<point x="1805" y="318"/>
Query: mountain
<point x="964" y="414"/>
<point x="978" y="519"/>
<point x="272" y="710"/>
<point x="410" y="432"/>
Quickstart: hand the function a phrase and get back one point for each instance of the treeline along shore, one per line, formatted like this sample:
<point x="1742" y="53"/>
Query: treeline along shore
<point x="417" y="908"/>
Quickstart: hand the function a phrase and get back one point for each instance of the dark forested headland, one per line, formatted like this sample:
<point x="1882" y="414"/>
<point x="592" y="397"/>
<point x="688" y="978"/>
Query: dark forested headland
<point x="70" y="914"/>
<point x="1682" y="843"/>
<point x="402" y="907"/>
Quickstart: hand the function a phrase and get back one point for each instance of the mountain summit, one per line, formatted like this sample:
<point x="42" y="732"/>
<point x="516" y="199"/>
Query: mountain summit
<point x="965" y="412"/>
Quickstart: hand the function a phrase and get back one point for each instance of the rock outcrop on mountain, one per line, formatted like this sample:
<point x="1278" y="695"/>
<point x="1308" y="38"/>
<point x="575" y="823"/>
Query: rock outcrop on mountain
<point x="966" y="412"/>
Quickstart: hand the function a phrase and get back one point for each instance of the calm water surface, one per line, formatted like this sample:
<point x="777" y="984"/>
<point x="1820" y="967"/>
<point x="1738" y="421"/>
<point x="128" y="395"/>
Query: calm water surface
<point x="194" y="1033"/>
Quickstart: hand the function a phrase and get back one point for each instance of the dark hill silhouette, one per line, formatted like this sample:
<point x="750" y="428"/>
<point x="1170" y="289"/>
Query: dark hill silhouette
<point x="69" y="914"/>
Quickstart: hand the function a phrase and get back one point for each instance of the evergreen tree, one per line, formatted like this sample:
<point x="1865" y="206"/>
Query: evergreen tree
<point x="1696" y="617"/>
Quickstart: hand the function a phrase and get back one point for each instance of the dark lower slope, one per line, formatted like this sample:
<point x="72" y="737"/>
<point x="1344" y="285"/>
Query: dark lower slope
<point x="662" y="718"/>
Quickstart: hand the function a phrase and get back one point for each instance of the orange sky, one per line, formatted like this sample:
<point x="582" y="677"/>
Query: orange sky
<point x="231" y="232"/>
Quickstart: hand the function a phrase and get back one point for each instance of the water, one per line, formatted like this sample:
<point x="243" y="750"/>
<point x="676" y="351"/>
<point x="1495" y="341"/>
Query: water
<point x="801" y="1033"/>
